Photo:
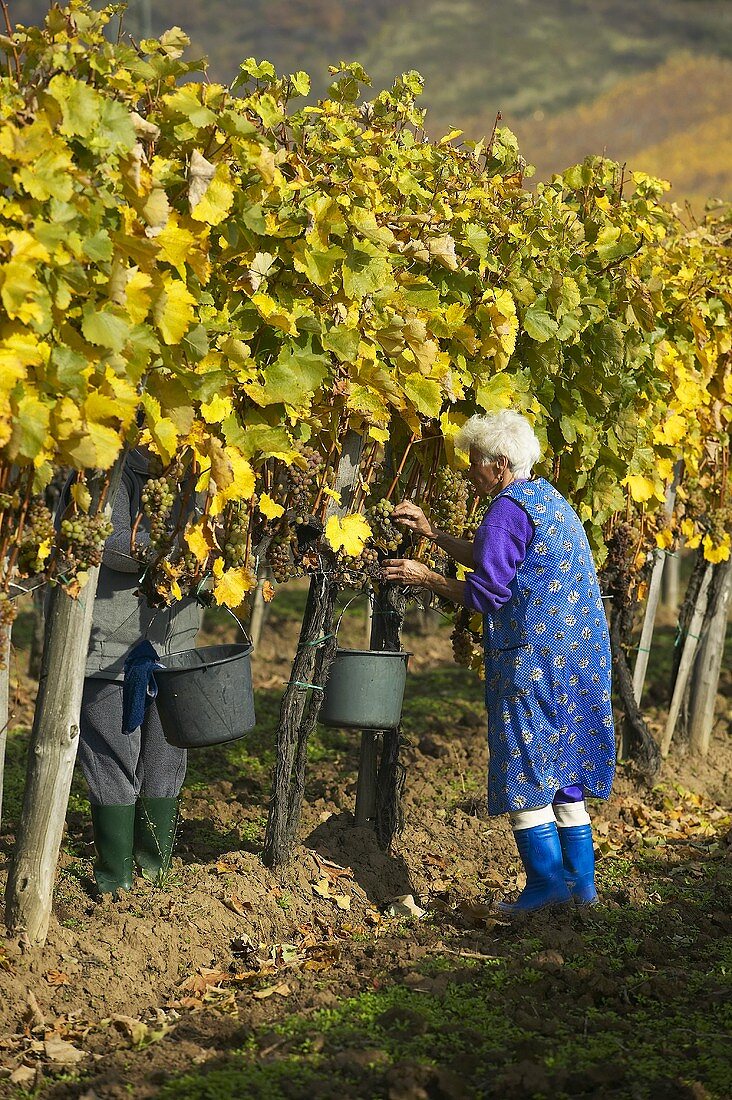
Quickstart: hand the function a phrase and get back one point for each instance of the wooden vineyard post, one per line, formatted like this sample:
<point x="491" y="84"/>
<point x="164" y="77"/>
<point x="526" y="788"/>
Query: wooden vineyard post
<point x="258" y="616"/>
<point x="381" y="776"/>
<point x="4" y="714"/>
<point x="660" y="568"/>
<point x="368" y="766"/>
<point x="705" y="680"/>
<point x="316" y="649"/>
<point x="52" y="751"/>
<point x="687" y="659"/>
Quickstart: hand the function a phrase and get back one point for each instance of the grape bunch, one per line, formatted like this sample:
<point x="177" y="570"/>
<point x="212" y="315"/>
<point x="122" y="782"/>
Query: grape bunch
<point x="158" y="498"/>
<point x="83" y="538"/>
<point x="302" y="482"/>
<point x="235" y="542"/>
<point x="8" y="501"/>
<point x="279" y="555"/>
<point x="8" y="610"/>
<point x="467" y="649"/>
<point x="449" y="501"/>
<point x="38" y="529"/>
<point x="386" y="536"/>
<point x="358" y="573"/>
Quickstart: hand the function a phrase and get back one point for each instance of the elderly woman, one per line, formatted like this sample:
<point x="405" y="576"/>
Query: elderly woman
<point x="547" y="656"/>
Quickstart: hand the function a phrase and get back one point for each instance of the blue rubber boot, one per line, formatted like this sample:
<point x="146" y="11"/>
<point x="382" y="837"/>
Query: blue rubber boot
<point x="578" y="856"/>
<point x="541" y="855"/>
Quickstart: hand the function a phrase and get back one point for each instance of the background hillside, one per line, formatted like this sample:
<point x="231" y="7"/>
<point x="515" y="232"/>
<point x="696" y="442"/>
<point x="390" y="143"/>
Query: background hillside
<point x="648" y="82"/>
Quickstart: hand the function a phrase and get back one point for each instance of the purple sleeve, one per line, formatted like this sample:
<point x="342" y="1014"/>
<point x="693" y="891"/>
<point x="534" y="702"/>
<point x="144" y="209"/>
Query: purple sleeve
<point x="500" y="546"/>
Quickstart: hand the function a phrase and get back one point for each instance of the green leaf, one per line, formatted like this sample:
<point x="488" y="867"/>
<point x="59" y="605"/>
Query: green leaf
<point x="424" y="394"/>
<point x="343" y="342"/>
<point x="98" y="247"/>
<point x="477" y="239"/>
<point x="538" y="324"/>
<point x="300" y="82"/>
<point x="105" y="329"/>
<point x="294" y="377"/>
<point x="613" y="245"/>
<point x="317" y="264"/>
<point x="495" y="393"/>
<point x="365" y="271"/>
<point x="68" y="371"/>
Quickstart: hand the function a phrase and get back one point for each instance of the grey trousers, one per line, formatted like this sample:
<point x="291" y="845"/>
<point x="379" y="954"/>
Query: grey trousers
<point x="119" y="767"/>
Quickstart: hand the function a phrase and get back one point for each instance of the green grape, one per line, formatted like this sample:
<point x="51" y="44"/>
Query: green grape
<point x="38" y="529"/>
<point x="386" y="536"/>
<point x="448" y="508"/>
<point x="158" y="498"/>
<point x="83" y="538"/>
<point x="302" y="483"/>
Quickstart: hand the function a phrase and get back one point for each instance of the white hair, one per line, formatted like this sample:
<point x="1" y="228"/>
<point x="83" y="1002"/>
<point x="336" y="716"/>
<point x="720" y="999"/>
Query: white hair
<point x="502" y="434"/>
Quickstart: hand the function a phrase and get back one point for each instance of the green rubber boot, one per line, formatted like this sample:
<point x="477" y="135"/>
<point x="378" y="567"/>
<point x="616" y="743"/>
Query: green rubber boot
<point x="114" y="828"/>
<point x="155" y="824"/>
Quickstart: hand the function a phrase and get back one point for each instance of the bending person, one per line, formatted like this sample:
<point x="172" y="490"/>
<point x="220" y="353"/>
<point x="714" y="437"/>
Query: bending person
<point x="547" y="655"/>
<point x="134" y="778"/>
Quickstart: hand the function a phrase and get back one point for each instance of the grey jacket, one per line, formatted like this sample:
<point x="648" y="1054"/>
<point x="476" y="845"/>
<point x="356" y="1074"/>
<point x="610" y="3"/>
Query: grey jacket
<point x="122" y="618"/>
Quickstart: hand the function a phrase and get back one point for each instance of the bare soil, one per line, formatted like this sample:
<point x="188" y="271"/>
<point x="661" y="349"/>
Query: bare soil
<point x="125" y="996"/>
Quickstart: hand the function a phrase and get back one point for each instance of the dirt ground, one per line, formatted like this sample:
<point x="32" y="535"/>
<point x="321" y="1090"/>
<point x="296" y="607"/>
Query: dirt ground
<point x="125" y="998"/>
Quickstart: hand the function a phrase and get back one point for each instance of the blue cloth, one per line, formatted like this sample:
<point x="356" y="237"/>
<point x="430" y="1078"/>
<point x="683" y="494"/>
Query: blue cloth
<point x="548" y="665"/>
<point x="139" y="686"/>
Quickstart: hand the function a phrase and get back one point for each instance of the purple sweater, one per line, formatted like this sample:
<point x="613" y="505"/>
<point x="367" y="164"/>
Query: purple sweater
<point x="500" y="546"/>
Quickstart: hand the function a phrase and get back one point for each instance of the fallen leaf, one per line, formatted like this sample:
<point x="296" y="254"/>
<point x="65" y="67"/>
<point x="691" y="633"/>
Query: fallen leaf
<point x="322" y="888"/>
<point x="343" y="901"/>
<point x="58" y="1050"/>
<point x="224" y="867"/>
<point x="203" y="979"/>
<point x="135" y="1029"/>
<point x="57" y="977"/>
<point x="477" y="911"/>
<point x="405" y="906"/>
<point x="22" y="1076"/>
<point x="238" y="906"/>
<point x="281" y="990"/>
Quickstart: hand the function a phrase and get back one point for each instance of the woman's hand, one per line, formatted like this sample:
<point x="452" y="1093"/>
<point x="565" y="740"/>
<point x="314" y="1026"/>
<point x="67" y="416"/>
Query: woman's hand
<point x="405" y="571"/>
<point x="411" y="515"/>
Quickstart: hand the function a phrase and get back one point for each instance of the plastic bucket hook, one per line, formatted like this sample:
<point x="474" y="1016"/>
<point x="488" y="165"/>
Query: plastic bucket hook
<point x="365" y="689"/>
<point x="205" y="696"/>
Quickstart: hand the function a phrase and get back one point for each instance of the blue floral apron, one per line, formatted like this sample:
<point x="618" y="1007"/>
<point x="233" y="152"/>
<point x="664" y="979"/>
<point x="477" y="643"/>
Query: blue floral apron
<point x="548" y="666"/>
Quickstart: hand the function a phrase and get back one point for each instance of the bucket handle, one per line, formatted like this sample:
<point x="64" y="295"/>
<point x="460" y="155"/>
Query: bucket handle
<point x="367" y="594"/>
<point x="239" y="623"/>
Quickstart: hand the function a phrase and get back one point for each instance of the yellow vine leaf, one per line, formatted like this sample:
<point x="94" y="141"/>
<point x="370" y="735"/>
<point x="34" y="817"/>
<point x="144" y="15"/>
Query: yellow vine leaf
<point x="232" y="586"/>
<point x="199" y="541"/>
<point x="217" y="199"/>
<point x="270" y="508"/>
<point x="349" y="533"/>
<point x="641" y="488"/>
<point x="716" y="554"/>
<point x="216" y="410"/>
<point x="173" y="310"/>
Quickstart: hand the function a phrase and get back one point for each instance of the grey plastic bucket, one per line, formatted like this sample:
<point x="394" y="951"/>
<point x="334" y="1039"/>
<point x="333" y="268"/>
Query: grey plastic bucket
<point x="205" y="695"/>
<point x="365" y="689"/>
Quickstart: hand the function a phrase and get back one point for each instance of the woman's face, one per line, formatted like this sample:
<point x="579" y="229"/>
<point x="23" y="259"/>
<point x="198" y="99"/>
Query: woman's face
<point x="487" y="477"/>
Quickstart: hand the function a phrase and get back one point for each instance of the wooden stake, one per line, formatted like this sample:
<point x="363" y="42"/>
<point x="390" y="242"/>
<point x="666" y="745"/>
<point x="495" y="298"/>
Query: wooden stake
<point x="52" y="753"/>
<point x="687" y="660"/>
<point x="709" y="662"/>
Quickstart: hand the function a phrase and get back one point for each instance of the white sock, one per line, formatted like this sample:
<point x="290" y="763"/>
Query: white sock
<point x="529" y="819"/>
<point x="571" y="813"/>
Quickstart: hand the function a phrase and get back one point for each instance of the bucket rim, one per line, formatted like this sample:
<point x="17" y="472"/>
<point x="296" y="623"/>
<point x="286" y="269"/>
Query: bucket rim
<point x="375" y="652"/>
<point x="243" y="650"/>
